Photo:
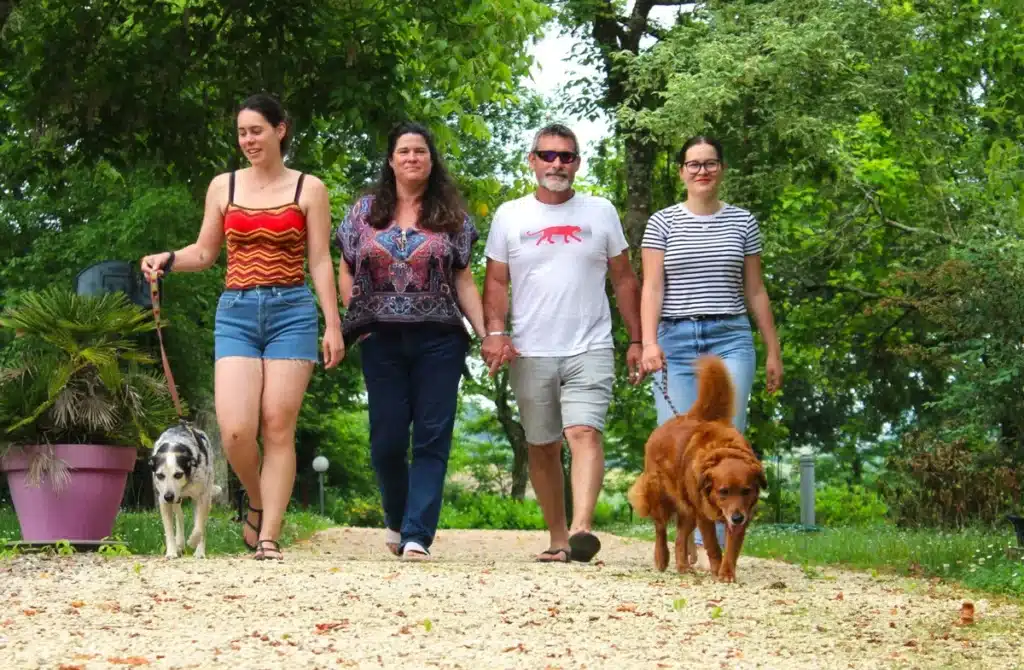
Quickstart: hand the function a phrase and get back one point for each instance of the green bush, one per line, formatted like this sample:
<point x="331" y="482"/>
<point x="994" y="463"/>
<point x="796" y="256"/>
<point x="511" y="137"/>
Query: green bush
<point x="834" y="506"/>
<point x="942" y="483"/>
<point x="848" y="506"/>
<point x="465" y="509"/>
<point x="358" y="511"/>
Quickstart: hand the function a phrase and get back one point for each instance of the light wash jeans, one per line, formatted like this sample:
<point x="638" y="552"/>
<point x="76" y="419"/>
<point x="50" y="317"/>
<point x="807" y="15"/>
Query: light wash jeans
<point x="686" y="340"/>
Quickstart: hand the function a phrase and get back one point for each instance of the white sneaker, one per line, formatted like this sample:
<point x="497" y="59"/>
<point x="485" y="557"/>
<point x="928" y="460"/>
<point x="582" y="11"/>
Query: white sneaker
<point x="414" y="551"/>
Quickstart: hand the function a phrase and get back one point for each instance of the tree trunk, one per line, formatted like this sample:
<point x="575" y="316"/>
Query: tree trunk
<point x="640" y="155"/>
<point x="514" y="433"/>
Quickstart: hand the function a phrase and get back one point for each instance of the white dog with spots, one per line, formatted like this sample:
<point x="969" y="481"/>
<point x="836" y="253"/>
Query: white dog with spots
<point x="183" y="468"/>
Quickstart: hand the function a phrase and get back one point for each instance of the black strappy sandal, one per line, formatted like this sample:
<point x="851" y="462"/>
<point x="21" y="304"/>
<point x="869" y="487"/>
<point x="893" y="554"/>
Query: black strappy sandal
<point x="245" y="520"/>
<point x="274" y="546"/>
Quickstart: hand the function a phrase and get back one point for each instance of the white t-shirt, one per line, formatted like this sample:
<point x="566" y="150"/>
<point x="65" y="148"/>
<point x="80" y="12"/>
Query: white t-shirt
<point x="558" y="262"/>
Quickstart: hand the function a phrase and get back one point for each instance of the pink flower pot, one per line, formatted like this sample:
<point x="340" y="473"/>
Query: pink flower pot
<point x="86" y="505"/>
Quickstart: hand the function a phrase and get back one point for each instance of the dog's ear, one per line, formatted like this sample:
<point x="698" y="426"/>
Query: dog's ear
<point x="705" y="483"/>
<point x="762" y="479"/>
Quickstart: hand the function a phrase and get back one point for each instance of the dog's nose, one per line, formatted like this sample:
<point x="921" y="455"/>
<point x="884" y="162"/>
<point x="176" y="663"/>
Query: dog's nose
<point x="169" y="497"/>
<point x="737" y="518"/>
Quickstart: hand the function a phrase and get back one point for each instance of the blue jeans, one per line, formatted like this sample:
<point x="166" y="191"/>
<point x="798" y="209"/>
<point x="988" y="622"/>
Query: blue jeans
<point x="412" y="379"/>
<point x="686" y="340"/>
<point x="272" y="322"/>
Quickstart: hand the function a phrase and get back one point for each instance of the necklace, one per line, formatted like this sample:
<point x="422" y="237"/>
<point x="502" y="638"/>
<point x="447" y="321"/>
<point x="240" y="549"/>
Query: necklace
<point x="271" y="181"/>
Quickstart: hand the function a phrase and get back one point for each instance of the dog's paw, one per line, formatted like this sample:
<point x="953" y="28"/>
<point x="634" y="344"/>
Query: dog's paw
<point x="726" y="576"/>
<point x="200" y="552"/>
<point x="172" y="553"/>
<point x="194" y="539"/>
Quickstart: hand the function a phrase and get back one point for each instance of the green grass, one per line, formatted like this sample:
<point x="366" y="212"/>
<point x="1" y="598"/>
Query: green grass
<point x="973" y="558"/>
<point x="143" y="532"/>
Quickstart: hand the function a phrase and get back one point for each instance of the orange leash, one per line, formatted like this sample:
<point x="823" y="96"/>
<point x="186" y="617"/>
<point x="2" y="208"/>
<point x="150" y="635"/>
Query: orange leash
<point x="154" y="293"/>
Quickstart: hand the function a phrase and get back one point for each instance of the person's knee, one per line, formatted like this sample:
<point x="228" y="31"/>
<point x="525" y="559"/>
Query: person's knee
<point x="545" y="451"/>
<point x="237" y="435"/>
<point x="585" y="437"/>
<point x="277" y="427"/>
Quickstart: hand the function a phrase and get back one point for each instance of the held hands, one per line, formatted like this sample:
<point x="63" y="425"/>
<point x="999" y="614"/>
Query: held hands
<point x="153" y="265"/>
<point x="333" y="347"/>
<point x="496" y="350"/>
<point x="653" y="358"/>
<point x="634" y="362"/>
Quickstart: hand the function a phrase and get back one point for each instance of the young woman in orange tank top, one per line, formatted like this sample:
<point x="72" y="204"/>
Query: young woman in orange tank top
<point x="273" y="219"/>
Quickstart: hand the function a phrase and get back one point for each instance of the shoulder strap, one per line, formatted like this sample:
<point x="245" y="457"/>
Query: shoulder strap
<point x="231" y="188"/>
<point x="298" y="187"/>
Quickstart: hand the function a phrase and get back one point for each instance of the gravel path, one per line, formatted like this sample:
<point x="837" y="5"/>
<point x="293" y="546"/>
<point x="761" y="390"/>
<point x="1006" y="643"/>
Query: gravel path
<point x="341" y="601"/>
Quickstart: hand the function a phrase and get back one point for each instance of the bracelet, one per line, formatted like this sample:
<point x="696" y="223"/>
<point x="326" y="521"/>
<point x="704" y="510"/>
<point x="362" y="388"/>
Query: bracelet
<point x="498" y="333"/>
<point x="169" y="264"/>
<point x="632" y="342"/>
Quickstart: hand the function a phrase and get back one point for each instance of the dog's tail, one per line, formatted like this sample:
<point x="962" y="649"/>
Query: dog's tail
<point x="637" y="496"/>
<point x="714" y="390"/>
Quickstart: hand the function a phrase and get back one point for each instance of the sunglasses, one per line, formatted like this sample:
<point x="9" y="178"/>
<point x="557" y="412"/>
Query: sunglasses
<point x="565" y="157"/>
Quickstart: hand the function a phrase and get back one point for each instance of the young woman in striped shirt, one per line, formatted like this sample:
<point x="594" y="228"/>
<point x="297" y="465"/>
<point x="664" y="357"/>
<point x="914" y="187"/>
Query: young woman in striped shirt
<point x="702" y="273"/>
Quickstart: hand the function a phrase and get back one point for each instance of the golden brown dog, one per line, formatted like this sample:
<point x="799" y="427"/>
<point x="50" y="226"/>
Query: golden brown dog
<point x="700" y="469"/>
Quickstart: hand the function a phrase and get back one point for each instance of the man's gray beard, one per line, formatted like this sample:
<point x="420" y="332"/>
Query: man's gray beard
<point x="556" y="184"/>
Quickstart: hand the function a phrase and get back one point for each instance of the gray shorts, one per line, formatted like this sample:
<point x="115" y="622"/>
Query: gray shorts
<point x="554" y="393"/>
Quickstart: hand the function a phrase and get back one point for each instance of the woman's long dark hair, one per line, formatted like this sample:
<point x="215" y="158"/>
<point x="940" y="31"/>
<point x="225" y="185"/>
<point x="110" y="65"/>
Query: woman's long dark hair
<point x="443" y="209"/>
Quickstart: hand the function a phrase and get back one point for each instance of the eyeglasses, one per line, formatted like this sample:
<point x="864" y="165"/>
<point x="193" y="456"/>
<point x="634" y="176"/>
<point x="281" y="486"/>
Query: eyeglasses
<point x="566" y="157"/>
<point x="693" y="167"/>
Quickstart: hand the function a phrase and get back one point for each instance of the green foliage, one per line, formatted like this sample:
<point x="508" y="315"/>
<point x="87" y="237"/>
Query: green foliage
<point x="465" y="509"/>
<point x="77" y="373"/>
<point x="358" y="66"/>
<point x="143" y="533"/>
<point x="835" y="506"/>
<point x="358" y="511"/>
<point x="952" y="484"/>
<point x="973" y="557"/>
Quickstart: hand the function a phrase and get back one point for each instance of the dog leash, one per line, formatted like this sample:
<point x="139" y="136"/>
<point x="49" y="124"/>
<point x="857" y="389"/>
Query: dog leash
<point x="664" y="389"/>
<point x="154" y="293"/>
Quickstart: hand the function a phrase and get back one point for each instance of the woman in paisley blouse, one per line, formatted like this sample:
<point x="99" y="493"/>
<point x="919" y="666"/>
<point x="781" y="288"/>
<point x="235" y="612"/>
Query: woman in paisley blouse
<point x="405" y="279"/>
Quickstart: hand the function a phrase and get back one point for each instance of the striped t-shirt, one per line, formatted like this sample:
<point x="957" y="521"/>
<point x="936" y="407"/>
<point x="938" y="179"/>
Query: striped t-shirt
<point x="703" y="258"/>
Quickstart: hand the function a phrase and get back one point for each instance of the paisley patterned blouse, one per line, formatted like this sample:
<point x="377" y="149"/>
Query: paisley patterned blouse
<point x="400" y="277"/>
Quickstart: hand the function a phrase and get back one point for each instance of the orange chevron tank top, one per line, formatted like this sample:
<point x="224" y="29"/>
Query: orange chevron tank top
<point x="266" y="246"/>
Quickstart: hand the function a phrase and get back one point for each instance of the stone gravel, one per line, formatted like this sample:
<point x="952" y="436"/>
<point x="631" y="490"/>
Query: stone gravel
<point x="340" y="600"/>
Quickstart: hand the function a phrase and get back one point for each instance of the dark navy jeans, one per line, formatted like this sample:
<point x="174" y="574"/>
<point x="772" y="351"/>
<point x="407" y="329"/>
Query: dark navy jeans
<point x="412" y="380"/>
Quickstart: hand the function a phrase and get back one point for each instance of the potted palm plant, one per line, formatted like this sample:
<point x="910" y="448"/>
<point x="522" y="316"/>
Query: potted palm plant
<point x="79" y="397"/>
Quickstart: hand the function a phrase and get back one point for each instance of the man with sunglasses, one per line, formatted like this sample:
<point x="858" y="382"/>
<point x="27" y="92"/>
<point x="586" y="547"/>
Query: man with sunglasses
<point x="556" y="248"/>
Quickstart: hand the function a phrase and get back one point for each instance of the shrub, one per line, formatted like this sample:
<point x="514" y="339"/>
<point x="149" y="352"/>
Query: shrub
<point x="358" y="511"/>
<point x="933" y="482"/>
<point x="464" y="509"/>
<point x="834" y="505"/>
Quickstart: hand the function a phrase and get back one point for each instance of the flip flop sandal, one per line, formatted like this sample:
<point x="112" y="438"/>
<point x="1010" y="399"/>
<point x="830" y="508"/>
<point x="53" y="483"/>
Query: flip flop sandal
<point x="554" y="552"/>
<point x="274" y="546"/>
<point x="583" y="546"/>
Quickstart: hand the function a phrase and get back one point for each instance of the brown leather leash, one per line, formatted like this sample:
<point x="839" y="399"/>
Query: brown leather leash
<point x="154" y="292"/>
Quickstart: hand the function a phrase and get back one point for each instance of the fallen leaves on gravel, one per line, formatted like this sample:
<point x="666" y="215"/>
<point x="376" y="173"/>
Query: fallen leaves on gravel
<point x="131" y="660"/>
<point x="322" y="628"/>
<point x="967" y="614"/>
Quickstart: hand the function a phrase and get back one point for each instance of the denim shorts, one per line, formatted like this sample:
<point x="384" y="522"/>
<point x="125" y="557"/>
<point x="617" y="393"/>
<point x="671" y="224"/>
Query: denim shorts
<point x="272" y="322"/>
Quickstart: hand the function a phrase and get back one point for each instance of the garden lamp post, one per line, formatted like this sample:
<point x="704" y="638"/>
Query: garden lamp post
<point x="320" y="464"/>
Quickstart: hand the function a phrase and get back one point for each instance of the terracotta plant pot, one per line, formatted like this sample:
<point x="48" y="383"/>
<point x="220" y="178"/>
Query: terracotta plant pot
<point x="85" y="507"/>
